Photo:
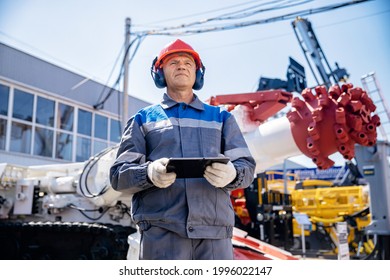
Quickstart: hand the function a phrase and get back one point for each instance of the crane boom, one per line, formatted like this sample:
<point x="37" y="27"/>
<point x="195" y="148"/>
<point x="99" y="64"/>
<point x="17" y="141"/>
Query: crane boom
<point x="311" y="47"/>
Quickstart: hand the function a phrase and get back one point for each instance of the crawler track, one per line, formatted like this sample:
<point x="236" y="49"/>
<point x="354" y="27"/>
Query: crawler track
<point x="63" y="241"/>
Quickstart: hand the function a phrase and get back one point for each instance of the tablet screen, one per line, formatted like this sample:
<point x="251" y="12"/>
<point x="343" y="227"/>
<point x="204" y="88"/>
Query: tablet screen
<point x="192" y="167"/>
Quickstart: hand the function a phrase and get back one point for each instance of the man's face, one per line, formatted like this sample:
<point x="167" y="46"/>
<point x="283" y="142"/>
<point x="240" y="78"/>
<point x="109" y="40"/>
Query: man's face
<point x="179" y="71"/>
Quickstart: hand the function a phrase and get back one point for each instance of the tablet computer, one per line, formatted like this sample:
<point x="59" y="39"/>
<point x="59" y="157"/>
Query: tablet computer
<point x="192" y="167"/>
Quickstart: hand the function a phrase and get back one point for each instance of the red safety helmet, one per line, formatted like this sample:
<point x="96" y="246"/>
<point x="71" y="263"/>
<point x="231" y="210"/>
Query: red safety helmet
<point x="175" y="47"/>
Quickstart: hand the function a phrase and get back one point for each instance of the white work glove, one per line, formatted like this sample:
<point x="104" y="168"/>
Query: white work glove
<point x="157" y="173"/>
<point x="220" y="174"/>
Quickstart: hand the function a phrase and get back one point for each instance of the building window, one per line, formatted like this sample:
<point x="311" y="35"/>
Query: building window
<point x="84" y="122"/>
<point x="101" y="127"/>
<point x="4" y="96"/>
<point x="42" y="126"/>
<point x="65" y="117"/>
<point x="83" y="151"/>
<point x="3" y="131"/>
<point x="43" y="142"/>
<point x="115" y="131"/>
<point x="23" y="105"/>
<point x="45" y="112"/>
<point x="99" y="146"/>
<point x="64" y="146"/>
<point x="20" y="138"/>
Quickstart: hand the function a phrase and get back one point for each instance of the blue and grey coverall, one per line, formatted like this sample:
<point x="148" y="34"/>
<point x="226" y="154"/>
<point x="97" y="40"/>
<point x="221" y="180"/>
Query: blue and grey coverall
<point x="191" y="209"/>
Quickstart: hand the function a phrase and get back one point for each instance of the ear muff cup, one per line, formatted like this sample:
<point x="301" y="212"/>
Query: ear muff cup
<point x="199" y="80"/>
<point x="159" y="79"/>
<point x="158" y="76"/>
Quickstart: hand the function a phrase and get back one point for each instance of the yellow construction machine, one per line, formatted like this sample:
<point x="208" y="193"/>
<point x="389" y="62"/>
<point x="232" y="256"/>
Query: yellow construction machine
<point x="326" y="205"/>
<point x="274" y="198"/>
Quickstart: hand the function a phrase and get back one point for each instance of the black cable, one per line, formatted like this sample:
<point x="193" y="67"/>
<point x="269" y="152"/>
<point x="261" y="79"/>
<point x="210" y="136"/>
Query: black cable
<point x="201" y="13"/>
<point x="83" y="182"/>
<point x="235" y="15"/>
<point x="251" y="13"/>
<point x="81" y="210"/>
<point x="142" y="34"/>
<point x="248" y="23"/>
<point x="100" y="104"/>
<point x="124" y="208"/>
<point x="109" y="77"/>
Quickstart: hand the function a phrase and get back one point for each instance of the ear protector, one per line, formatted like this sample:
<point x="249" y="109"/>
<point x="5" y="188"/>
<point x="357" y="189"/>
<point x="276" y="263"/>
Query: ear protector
<point x="159" y="79"/>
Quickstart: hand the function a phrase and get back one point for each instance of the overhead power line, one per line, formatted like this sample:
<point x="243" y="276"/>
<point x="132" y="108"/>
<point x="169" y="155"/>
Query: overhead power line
<point x="169" y="31"/>
<point x="247" y="12"/>
<point x="207" y="12"/>
<point x="243" y="13"/>
<point x="188" y="29"/>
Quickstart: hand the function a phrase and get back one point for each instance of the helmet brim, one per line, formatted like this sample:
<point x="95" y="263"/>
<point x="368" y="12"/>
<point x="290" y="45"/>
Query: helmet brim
<point x="194" y="54"/>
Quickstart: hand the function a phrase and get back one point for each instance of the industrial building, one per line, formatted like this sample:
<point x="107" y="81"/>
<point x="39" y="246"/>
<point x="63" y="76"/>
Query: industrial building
<point x="47" y="113"/>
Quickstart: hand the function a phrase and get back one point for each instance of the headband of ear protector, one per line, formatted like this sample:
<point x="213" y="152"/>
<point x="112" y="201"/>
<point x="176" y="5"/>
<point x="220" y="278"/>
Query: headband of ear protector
<point x="159" y="79"/>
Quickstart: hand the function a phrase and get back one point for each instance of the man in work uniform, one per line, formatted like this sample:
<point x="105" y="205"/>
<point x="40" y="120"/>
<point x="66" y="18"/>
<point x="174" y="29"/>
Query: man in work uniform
<point x="190" y="218"/>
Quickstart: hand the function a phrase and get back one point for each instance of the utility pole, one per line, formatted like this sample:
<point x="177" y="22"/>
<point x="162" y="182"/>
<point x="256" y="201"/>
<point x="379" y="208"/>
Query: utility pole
<point x="125" y="107"/>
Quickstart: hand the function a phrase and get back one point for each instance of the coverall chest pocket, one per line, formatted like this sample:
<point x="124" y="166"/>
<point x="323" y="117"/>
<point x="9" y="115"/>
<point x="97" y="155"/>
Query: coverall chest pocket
<point x="211" y="141"/>
<point x="162" y="137"/>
